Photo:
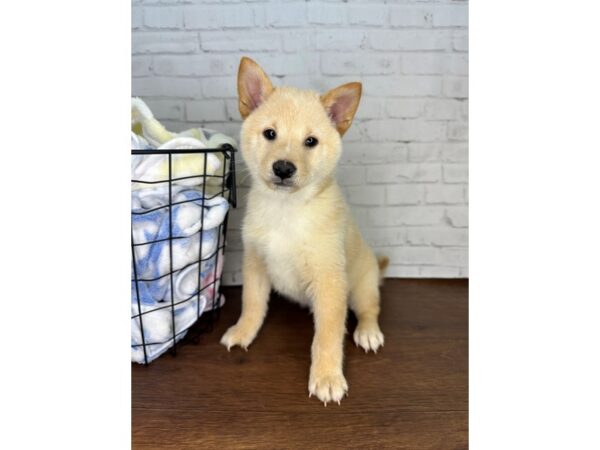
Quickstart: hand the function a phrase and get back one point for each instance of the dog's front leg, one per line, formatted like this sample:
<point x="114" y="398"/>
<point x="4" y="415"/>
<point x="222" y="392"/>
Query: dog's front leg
<point x="255" y="297"/>
<point x="326" y="379"/>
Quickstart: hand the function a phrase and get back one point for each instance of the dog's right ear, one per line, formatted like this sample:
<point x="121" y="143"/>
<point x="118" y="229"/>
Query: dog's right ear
<point x="253" y="86"/>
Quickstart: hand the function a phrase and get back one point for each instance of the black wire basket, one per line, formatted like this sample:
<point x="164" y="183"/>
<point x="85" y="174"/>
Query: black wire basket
<point x="179" y="230"/>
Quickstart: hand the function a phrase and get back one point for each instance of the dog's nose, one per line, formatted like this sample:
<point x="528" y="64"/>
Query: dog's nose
<point x="283" y="169"/>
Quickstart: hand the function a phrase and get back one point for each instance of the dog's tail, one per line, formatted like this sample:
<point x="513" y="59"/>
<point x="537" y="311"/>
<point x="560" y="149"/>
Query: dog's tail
<point x="383" y="262"/>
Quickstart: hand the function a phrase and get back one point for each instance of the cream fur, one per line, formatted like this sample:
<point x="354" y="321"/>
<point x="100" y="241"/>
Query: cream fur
<point x="301" y="240"/>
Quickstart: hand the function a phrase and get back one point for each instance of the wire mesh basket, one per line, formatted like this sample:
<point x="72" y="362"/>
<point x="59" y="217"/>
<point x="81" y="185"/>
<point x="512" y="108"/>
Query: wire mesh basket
<point x="178" y="234"/>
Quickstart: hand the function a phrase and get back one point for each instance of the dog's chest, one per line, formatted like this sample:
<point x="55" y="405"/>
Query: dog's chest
<point x="282" y="242"/>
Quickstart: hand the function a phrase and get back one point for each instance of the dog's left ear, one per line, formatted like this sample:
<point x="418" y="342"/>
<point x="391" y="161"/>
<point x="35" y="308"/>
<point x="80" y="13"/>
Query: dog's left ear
<point x="341" y="104"/>
<point x="254" y="86"/>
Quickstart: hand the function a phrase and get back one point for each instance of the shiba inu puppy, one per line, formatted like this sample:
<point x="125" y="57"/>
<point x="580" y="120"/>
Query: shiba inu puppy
<point x="299" y="237"/>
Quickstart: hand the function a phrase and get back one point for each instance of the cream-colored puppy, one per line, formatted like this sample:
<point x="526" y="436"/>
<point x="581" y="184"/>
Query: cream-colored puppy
<point x="299" y="237"/>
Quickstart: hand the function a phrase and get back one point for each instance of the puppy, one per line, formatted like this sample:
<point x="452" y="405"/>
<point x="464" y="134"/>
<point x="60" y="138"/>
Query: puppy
<point x="299" y="237"/>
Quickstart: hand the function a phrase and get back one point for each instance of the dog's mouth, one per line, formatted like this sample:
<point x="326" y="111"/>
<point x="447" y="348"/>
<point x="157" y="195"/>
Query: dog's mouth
<point x="278" y="183"/>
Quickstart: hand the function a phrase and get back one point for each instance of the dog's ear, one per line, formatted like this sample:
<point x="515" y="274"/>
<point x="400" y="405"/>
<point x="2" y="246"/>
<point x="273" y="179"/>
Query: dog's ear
<point x="253" y="86"/>
<point x="341" y="104"/>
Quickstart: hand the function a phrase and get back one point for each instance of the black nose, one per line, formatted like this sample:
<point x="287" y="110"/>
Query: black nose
<point x="283" y="169"/>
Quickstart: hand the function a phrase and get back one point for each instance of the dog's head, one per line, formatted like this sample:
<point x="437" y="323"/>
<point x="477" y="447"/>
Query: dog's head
<point x="291" y="138"/>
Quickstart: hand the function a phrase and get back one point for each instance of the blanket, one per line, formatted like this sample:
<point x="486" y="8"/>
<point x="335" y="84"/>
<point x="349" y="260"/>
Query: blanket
<point x="175" y="231"/>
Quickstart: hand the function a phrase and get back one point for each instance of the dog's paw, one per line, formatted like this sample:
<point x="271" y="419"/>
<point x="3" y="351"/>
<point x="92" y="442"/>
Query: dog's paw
<point x="369" y="337"/>
<point x="237" y="335"/>
<point x="327" y="387"/>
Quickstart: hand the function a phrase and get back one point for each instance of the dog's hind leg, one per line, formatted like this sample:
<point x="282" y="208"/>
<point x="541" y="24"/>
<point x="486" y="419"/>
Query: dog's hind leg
<point x="364" y="301"/>
<point x="255" y="298"/>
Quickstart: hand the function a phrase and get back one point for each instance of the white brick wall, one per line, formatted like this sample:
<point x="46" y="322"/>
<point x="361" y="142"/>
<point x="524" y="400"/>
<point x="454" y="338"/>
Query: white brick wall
<point x="405" y="164"/>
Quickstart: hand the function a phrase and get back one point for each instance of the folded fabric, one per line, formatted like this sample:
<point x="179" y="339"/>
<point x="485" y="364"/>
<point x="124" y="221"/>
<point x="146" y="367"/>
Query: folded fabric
<point x="177" y="260"/>
<point x="186" y="169"/>
<point x="144" y="124"/>
<point x="149" y="133"/>
<point x="152" y="225"/>
<point x="157" y="325"/>
<point x="156" y="319"/>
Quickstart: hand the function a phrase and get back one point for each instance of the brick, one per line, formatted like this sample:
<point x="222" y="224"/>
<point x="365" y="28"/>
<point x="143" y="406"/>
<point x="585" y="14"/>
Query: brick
<point x="296" y="40"/>
<point x="165" y="42"/>
<point x="232" y="110"/>
<point x="410" y="40"/>
<point x="424" y="152"/>
<point x="166" y="87"/>
<point x="454" y="256"/>
<point x="366" y="195"/>
<point x="233" y="261"/>
<point x="234" y="240"/>
<point x="220" y="87"/>
<point x="286" y="14"/>
<point x="196" y="65"/>
<point x="458" y="216"/>
<point x="160" y="18"/>
<point x="373" y="153"/>
<point x="457" y="64"/>
<point x="434" y="64"/>
<point x="166" y="109"/>
<point x="423" y="63"/>
<point x="141" y="66"/>
<point x="444" y="194"/>
<point x="413" y="255"/>
<point x="217" y="17"/>
<point x="363" y="64"/>
<point x="404" y="86"/>
<point x="205" y="110"/>
<point x="169" y="2"/>
<point x="457" y="87"/>
<point x="396" y="271"/>
<point x="458" y="131"/>
<point x="289" y="64"/>
<point x="442" y="109"/>
<point x="404" y="173"/>
<point x="176" y="125"/>
<point x="464" y="109"/>
<point x="383" y="237"/>
<point x="404" y="194"/>
<point x="137" y="18"/>
<point x="371" y="14"/>
<point x="455" y="152"/>
<point x="340" y="39"/>
<point x="404" y="108"/>
<point x="405" y="130"/>
<point x="350" y="175"/>
<point x="460" y="42"/>
<point x="456" y="173"/>
<point x="451" y="16"/>
<point x="236" y="41"/>
<point x="439" y="272"/>
<point x="438" y="236"/>
<point x="410" y="16"/>
<point x="369" y="108"/>
<point x="326" y="13"/>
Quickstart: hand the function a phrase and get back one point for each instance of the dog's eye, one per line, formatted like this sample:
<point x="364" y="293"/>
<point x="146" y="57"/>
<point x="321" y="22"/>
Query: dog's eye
<point x="311" y="141"/>
<point x="269" y="134"/>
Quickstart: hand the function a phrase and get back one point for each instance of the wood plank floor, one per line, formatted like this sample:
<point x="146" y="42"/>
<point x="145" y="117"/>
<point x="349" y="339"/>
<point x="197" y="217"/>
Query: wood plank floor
<point x="411" y="395"/>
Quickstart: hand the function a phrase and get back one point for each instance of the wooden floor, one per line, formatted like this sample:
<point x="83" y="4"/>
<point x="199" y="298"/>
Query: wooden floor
<point x="411" y="395"/>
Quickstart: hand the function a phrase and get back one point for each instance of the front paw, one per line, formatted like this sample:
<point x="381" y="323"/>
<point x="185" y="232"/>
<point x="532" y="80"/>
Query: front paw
<point x="237" y="335"/>
<point x="327" y="386"/>
<point x="369" y="337"/>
